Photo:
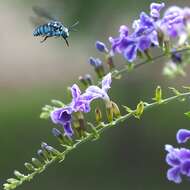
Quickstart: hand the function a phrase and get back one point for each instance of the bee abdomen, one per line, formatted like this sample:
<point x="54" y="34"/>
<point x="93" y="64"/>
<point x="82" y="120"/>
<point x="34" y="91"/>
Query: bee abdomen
<point x="42" y="30"/>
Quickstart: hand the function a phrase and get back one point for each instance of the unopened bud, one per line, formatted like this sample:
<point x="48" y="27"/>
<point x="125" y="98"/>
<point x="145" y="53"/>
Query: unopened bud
<point x="88" y="79"/>
<point x="57" y="133"/>
<point x="100" y="46"/>
<point x="98" y="66"/>
<point x="109" y="61"/>
<point x="148" y="55"/>
<point x="176" y="57"/>
<point x="109" y="111"/>
<point x="166" y="46"/>
<point x="83" y="81"/>
<point x="43" y="154"/>
<point x="116" y="110"/>
<point x="18" y="174"/>
<point x="98" y="115"/>
<point x="36" y="162"/>
<point x="139" y="109"/>
<point x="52" y="150"/>
<point x="158" y="94"/>
<point x="29" y="166"/>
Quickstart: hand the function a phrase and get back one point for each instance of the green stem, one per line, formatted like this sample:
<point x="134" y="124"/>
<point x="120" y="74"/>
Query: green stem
<point x="100" y="128"/>
<point x="125" y="69"/>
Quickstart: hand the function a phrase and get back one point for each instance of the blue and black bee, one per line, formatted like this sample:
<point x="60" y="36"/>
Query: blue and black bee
<point x="53" y="28"/>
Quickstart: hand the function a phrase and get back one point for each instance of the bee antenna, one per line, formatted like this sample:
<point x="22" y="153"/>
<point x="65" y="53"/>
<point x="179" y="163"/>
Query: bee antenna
<point x="71" y="28"/>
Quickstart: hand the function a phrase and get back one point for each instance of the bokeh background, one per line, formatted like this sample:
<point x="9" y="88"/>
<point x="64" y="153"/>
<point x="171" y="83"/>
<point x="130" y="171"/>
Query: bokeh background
<point x="31" y="74"/>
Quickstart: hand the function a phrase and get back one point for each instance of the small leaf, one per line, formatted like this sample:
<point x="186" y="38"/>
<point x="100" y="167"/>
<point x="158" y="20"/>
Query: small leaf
<point x="128" y="109"/>
<point x="57" y="103"/>
<point x="187" y="114"/>
<point x="44" y="115"/>
<point x="95" y="132"/>
<point x="186" y="87"/>
<point x="175" y="91"/>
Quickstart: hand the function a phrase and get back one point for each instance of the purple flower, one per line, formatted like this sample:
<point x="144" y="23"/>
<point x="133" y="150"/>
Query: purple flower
<point x="144" y="35"/>
<point x="179" y="160"/>
<point x="63" y="117"/>
<point x="95" y="92"/>
<point x="155" y="9"/>
<point x="172" y="23"/>
<point x="100" y="46"/>
<point x="183" y="135"/>
<point x="80" y="103"/>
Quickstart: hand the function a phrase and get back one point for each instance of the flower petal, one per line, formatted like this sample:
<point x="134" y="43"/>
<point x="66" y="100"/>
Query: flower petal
<point x="106" y="82"/>
<point x="131" y="53"/>
<point x="183" y="135"/>
<point x="75" y="90"/>
<point x="185" y="168"/>
<point x="68" y="129"/>
<point x="173" y="174"/>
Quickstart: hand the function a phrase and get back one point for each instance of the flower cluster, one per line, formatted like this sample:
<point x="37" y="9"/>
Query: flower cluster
<point x="80" y="103"/>
<point x="178" y="159"/>
<point x="152" y="30"/>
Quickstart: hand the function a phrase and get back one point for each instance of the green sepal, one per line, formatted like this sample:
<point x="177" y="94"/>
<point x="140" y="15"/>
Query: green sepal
<point x="187" y="114"/>
<point x="158" y="95"/>
<point x="175" y="91"/>
<point x="139" y="110"/>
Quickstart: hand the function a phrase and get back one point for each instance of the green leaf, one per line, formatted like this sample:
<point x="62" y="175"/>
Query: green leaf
<point x="186" y="87"/>
<point x="175" y="91"/>
<point x="187" y="114"/>
<point x="57" y="103"/>
<point x="44" y="115"/>
<point x="128" y="109"/>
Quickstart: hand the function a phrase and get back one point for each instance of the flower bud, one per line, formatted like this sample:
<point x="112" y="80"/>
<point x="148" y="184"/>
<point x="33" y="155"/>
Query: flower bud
<point x="109" y="111"/>
<point x="139" y="109"/>
<point x="98" y="66"/>
<point x="18" y="174"/>
<point x="148" y="55"/>
<point x="43" y="154"/>
<point x="52" y="151"/>
<point x="100" y="46"/>
<point x="88" y="78"/>
<point x="36" y="162"/>
<point x="109" y="61"/>
<point x="57" y="133"/>
<point x="116" y="111"/>
<point x="176" y="57"/>
<point x="29" y="166"/>
<point x="83" y="81"/>
<point x="158" y="95"/>
<point x="98" y="115"/>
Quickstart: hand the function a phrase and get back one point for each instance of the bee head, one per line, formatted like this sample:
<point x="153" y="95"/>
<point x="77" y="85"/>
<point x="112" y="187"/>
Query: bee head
<point x="65" y="32"/>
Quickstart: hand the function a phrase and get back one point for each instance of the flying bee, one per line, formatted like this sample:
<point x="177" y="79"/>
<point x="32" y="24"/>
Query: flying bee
<point x="52" y="28"/>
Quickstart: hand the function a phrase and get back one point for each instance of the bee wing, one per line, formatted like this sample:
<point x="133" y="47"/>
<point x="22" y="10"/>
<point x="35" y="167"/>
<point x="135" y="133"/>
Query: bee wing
<point x="36" y="21"/>
<point x="40" y="12"/>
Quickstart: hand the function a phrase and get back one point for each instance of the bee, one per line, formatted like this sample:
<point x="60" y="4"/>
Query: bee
<point x="52" y="28"/>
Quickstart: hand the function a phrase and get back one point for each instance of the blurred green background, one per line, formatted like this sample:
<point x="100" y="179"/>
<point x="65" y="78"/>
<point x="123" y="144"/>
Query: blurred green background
<point x="31" y="74"/>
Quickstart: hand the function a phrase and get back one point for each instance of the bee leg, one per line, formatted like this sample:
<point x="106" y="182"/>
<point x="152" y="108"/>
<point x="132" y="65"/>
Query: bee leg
<point x="66" y="41"/>
<point x="45" y="38"/>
